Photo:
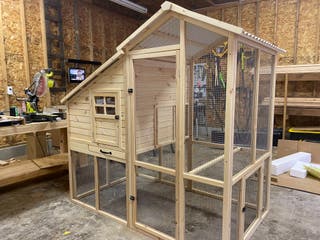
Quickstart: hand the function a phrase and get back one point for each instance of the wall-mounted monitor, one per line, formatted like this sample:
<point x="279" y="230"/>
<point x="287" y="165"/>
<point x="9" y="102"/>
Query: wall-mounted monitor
<point x="77" y="75"/>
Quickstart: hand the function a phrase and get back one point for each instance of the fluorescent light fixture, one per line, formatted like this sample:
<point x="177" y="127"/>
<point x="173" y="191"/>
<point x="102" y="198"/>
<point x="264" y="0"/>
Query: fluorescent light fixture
<point x="131" y="5"/>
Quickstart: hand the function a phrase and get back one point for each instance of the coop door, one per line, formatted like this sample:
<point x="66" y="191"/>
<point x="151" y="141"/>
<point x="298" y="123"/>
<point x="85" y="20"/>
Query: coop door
<point x="106" y="118"/>
<point x="155" y="82"/>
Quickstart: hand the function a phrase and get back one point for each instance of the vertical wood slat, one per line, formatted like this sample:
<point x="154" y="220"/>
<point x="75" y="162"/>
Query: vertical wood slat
<point x="96" y="182"/>
<point x="229" y="136"/>
<point x="131" y="186"/>
<point x="71" y="164"/>
<point x="3" y="61"/>
<point x="241" y="206"/>
<point x="255" y="108"/>
<point x="190" y="123"/>
<point x="260" y="192"/>
<point x="270" y="129"/>
<point x="24" y="42"/>
<point x="180" y="135"/>
<point x="285" y="100"/>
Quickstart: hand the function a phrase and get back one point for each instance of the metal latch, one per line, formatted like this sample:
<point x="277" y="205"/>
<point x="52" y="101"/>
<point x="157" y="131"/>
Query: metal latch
<point x="132" y="198"/>
<point x="130" y="90"/>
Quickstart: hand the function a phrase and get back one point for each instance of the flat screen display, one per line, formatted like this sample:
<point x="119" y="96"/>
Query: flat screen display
<point x="77" y="75"/>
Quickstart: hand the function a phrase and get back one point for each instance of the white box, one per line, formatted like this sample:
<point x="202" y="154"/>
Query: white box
<point x="282" y="165"/>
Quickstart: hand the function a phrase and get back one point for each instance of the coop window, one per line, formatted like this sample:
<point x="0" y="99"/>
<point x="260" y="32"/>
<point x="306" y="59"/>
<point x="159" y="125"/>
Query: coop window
<point x="106" y="122"/>
<point x="105" y="105"/>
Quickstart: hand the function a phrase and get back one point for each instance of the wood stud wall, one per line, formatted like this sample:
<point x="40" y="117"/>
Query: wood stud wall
<point x="291" y="24"/>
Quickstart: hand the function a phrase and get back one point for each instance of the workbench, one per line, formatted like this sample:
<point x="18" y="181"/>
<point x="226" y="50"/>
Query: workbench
<point x="38" y="163"/>
<point x="36" y="136"/>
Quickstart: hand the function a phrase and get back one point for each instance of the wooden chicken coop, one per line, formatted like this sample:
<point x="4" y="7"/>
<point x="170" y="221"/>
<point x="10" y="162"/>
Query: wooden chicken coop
<point x="173" y="134"/>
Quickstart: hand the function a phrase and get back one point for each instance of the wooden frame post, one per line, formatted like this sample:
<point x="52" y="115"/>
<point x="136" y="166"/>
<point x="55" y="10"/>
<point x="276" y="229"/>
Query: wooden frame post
<point x="180" y="133"/>
<point x="285" y="99"/>
<point x="190" y="123"/>
<point x="255" y="106"/>
<point x="229" y="136"/>
<point x="131" y="145"/>
<point x="270" y="136"/>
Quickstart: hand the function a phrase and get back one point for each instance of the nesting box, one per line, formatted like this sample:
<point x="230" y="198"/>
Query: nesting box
<point x="173" y="134"/>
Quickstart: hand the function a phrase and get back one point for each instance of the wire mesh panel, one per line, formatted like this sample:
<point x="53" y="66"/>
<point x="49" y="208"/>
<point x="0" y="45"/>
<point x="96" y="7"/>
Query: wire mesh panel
<point x="156" y="201"/>
<point x="112" y="187"/>
<point x="207" y="161"/>
<point x="203" y="213"/>
<point x="244" y="106"/>
<point x="235" y="208"/>
<point x="265" y="185"/>
<point x="155" y="87"/>
<point x="206" y="51"/>
<point x="251" y="199"/>
<point x="84" y="177"/>
<point x="265" y="80"/>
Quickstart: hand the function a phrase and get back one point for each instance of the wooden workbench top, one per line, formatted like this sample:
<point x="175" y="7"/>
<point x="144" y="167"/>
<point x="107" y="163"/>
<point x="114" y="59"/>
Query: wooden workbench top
<point x="32" y="127"/>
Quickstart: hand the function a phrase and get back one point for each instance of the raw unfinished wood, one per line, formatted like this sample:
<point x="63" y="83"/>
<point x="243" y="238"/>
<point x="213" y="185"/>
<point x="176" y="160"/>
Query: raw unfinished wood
<point x="24" y="170"/>
<point x="156" y="105"/>
<point x="52" y="161"/>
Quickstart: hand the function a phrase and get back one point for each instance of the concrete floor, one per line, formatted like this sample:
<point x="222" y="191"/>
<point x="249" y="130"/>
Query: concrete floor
<point x="42" y="210"/>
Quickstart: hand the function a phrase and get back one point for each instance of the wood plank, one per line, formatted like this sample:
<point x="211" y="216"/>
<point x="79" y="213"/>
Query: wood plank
<point x="303" y="68"/>
<point x="229" y="135"/>
<point x="24" y="170"/>
<point x="307" y="184"/>
<point x="52" y="161"/>
<point x="32" y="127"/>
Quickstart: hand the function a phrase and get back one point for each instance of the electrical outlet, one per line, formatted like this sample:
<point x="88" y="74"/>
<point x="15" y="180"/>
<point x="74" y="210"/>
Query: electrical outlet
<point x="10" y="90"/>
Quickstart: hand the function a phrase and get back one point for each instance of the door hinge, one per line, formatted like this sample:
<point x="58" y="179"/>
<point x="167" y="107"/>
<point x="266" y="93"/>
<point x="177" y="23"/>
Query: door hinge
<point x="130" y="90"/>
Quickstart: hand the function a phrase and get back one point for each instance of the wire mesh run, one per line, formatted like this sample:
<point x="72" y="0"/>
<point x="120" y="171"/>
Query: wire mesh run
<point x="156" y="201"/>
<point x="112" y="187"/>
<point x="203" y="213"/>
<point x="84" y="177"/>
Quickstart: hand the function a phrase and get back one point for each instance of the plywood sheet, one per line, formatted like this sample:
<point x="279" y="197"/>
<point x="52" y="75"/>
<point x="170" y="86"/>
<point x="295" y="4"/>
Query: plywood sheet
<point x="248" y="17"/>
<point x="230" y="15"/>
<point x="286" y="20"/>
<point x="24" y="170"/>
<point x="307" y="32"/>
<point x="266" y="20"/>
<point x="215" y="13"/>
<point x="52" y="161"/>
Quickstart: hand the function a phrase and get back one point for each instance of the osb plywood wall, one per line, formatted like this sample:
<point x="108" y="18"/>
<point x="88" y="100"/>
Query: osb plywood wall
<point x="291" y="24"/>
<point x="21" y="49"/>
<point x="92" y="33"/>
